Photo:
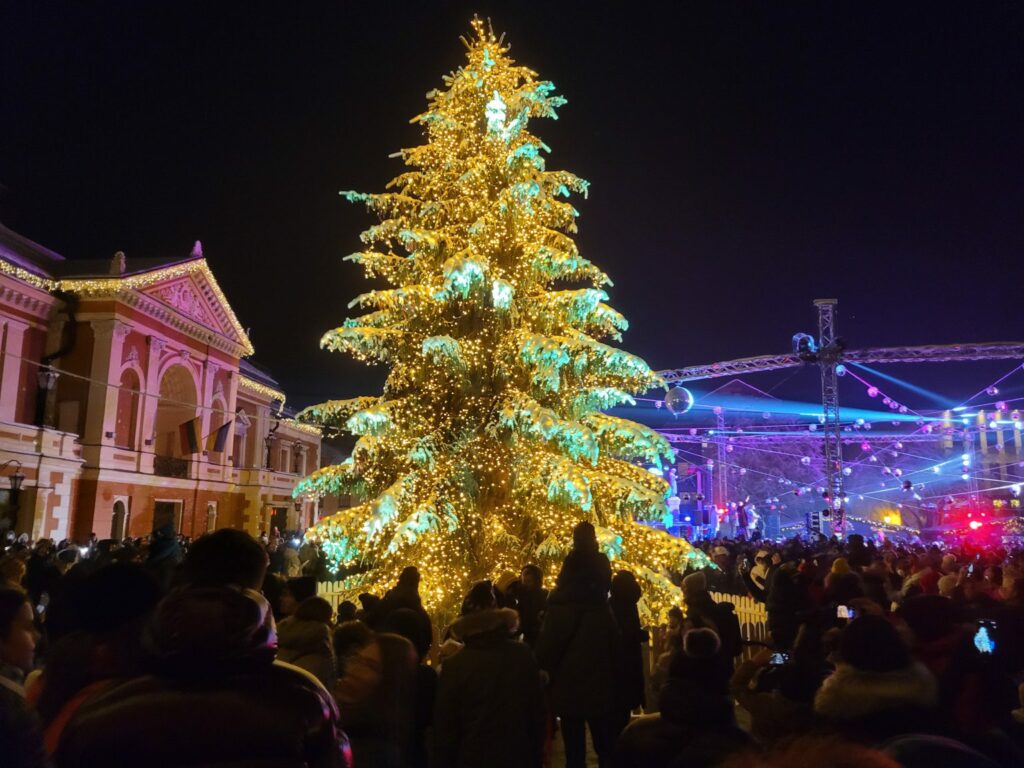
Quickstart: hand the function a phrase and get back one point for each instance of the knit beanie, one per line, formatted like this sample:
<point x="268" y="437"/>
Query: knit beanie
<point x="701" y="643"/>
<point x="840" y="566"/>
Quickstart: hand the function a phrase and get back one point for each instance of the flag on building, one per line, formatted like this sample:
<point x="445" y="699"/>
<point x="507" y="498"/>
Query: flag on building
<point x="215" y="440"/>
<point x="189" y="432"/>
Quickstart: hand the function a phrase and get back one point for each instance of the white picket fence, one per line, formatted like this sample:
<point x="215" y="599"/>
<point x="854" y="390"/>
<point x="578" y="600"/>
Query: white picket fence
<point x="331" y="591"/>
<point x="751" y="614"/>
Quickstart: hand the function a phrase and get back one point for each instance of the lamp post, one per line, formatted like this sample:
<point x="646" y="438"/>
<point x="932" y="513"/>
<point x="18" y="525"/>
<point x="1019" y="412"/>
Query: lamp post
<point x="15" y="479"/>
<point x="46" y="377"/>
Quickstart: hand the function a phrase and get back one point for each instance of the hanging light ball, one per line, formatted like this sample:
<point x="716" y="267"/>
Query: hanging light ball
<point x="872" y="457"/>
<point x="872" y="391"/>
<point x="805" y="460"/>
<point x="812" y="427"/>
<point x="992" y="391"/>
<point x="898" y="472"/>
<point x="885" y="400"/>
<point x="847" y="471"/>
<point x="1001" y="405"/>
<point x="893" y="405"/>
<point x="730" y="448"/>
<point x="904" y="409"/>
<point x="679" y="400"/>
<point x="865" y="446"/>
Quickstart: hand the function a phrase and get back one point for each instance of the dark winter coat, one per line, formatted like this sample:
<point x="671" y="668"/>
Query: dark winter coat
<point x="21" y="738"/>
<point x="307" y="644"/>
<point x="489" y="710"/>
<point x="629" y="664"/>
<point x="218" y="698"/>
<point x="402" y="596"/>
<point x="531" y="604"/>
<point x="578" y="648"/>
<point x="874" y="706"/>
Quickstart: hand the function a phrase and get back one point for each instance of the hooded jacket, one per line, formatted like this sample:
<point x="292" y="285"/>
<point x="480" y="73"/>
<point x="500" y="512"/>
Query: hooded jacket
<point x="307" y="644"/>
<point x="873" y="706"/>
<point x="217" y="697"/>
<point x="489" y="709"/>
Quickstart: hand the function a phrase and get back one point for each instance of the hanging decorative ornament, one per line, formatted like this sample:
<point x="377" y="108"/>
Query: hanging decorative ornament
<point x="812" y="427"/>
<point x="872" y="458"/>
<point x="679" y="400"/>
<point x="885" y="400"/>
<point x="847" y="471"/>
<point x="992" y="391"/>
<point x="904" y="409"/>
<point x="872" y="391"/>
<point x="865" y="446"/>
<point x="805" y="460"/>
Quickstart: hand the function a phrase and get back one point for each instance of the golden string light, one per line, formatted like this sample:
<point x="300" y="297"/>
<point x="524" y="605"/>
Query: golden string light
<point x="488" y="445"/>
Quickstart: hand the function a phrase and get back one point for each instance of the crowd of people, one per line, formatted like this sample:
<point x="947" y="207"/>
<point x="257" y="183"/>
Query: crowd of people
<point x="219" y="652"/>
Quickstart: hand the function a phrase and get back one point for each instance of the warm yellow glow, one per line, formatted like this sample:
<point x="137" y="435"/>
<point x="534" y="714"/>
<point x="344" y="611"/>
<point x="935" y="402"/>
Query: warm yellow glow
<point x="487" y="445"/>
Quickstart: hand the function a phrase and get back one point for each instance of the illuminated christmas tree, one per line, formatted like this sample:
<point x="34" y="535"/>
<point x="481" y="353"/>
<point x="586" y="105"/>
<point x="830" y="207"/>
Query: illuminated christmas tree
<point x="488" y="443"/>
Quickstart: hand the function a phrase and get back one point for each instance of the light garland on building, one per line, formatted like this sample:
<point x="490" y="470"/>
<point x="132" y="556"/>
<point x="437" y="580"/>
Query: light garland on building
<point x="258" y="388"/>
<point x="113" y="285"/>
<point x="301" y="426"/>
<point x="487" y="445"/>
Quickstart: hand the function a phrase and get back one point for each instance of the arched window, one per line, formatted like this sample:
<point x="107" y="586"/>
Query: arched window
<point x="126" y="428"/>
<point x="119" y="522"/>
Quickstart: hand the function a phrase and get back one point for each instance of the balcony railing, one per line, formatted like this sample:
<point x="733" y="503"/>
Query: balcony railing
<point x="170" y="466"/>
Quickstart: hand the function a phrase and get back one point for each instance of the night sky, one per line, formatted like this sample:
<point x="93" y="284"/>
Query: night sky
<point x="745" y="158"/>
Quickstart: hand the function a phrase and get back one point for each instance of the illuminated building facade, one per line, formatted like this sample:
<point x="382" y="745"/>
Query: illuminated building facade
<point x="126" y="403"/>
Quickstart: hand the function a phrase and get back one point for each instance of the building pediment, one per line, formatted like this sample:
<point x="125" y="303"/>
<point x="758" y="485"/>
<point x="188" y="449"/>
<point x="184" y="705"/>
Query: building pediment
<point x="185" y="294"/>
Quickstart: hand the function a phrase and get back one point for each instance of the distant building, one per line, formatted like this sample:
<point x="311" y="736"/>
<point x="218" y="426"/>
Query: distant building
<point x="126" y="403"/>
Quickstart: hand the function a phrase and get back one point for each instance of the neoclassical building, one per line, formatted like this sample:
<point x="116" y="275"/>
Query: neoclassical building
<point x="127" y="402"/>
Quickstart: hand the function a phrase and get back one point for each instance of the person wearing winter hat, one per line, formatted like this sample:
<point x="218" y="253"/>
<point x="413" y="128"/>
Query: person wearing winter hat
<point x="304" y="639"/>
<point x="696" y="718"/>
<point x="489" y="708"/>
<point x="212" y="645"/>
<point x="947" y="585"/>
<point x="840" y="566"/>
<point x="878" y="690"/>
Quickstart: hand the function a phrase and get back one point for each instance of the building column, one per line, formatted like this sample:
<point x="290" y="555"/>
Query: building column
<point x="104" y="374"/>
<point x="10" y="376"/>
<point x="232" y="406"/>
<point x="150" y="401"/>
<point x="210" y="369"/>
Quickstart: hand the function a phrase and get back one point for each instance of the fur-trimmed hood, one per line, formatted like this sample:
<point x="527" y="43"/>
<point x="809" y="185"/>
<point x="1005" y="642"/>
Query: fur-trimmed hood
<point x="499" y="621"/>
<point x="850" y="694"/>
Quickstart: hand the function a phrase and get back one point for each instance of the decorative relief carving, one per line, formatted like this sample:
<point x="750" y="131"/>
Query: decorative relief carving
<point x="183" y="297"/>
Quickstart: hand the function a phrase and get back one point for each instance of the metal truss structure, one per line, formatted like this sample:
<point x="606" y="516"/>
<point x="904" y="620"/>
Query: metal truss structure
<point x="929" y="353"/>
<point x="801" y="436"/>
<point x="828" y="354"/>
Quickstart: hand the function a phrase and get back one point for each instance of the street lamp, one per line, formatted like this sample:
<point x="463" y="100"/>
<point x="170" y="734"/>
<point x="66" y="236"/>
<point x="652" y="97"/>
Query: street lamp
<point x="46" y="377"/>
